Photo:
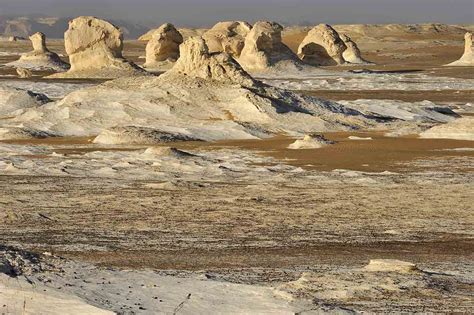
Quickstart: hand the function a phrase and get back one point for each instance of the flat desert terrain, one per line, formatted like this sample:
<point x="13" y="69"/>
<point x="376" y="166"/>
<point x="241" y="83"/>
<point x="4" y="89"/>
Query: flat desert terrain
<point x="250" y="226"/>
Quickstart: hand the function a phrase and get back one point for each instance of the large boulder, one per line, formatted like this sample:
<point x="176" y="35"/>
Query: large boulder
<point x="467" y="58"/>
<point x="40" y="58"/>
<point x="196" y="61"/>
<point x="264" y="50"/>
<point x="352" y="53"/>
<point x="227" y="37"/>
<point x="163" y="47"/>
<point x="95" y="48"/>
<point x="322" y="47"/>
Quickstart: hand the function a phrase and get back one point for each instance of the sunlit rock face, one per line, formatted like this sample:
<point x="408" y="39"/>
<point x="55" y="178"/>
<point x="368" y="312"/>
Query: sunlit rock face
<point x="95" y="48"/>
<point x="163" y="47"/>
<point x="227" y="37"/>
<point x="264" y="49"/>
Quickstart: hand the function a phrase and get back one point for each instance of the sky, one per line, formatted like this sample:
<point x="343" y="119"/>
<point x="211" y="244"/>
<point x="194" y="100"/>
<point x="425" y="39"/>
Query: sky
<point x="207" y="12"/>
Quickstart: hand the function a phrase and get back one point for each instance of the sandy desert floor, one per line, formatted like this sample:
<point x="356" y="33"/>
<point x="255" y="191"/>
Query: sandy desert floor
<point x="233" y="226"/>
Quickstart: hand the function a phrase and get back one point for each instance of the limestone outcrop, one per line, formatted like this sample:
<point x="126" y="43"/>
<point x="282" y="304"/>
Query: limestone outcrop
<point x="467" y="58"/>
<point x="196" y="61"/>
<point x="95" y="48"/>
<point x="459" y="129"/>
<point x="227" y="37"/>
<point x="163" y="47"/>
<point x="40" y="58"/>
<point x="352" y="53"/>
<point x="322" y="47"/>
<point x="264" y="49"/>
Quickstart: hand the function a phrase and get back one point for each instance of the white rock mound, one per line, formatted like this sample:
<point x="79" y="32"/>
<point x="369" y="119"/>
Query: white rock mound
<point x="196" y="62"/>
<point x="322" y="46"/>
<point x="139" y="135"/>
<point x="264" y="50"/>
<point x="163" y="48"/>
<point x="467" y="58"/>
<point x="95" y="48"/>
<point x="390" y="265"/>
<point x="40" y="58"/>
<point x="352" y="53"/>
<point x="12" y="100"/>
<point x="228" y="37"/>
<point x="459" y="129"/>
<point x="310" y="142"/>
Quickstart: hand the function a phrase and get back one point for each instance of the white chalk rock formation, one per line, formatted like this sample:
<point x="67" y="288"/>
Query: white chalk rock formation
<point x="322" y="47"/>
<point x="23" y="73"/>
<point x="467" y="58"/>
<point x="12" y="100"/>
<point x="228" y="37"/>
<point x="459" y="129"/>
<point x="196" y="62"/>
<point x="163" y="48"/>
<point x="139" y="135"/>
<point x="310" y="142"/>
<point x="390" y="265"/>
<point x="264" y="50"/>
<point x="352" y="53"/>
<point x="40" y="58"/>
<point x="95" y="48"/>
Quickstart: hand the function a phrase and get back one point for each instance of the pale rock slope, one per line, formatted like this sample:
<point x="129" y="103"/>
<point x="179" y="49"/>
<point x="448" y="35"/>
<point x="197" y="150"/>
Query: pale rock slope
<point x="322" y="47"/>
<point x="264" y="50"/>
<point x="459" y="129"/>
<point x="95" y="48"/>
<point x="352" y="53"/>
<point x="204" y="96"/>
<point x="467" y="59"/>
<point x="40" y="58"/>
<point x="227" y="37"/>
<point x="162" y="49"/>
<point x="13" y="100"/>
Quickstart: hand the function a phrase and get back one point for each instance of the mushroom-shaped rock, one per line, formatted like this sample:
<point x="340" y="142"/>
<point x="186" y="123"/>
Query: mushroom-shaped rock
<point x="40" y="58"/>
<point x="95" y="48"/>
<point x="195" y="61"/>
<point x="322" y="47"/>
<point x="264" y="49"/>
<point x="352" y="53"/>
<point x="467" y="58"/>
<point x="163" y="47"/>
<point x="227" y="37"/>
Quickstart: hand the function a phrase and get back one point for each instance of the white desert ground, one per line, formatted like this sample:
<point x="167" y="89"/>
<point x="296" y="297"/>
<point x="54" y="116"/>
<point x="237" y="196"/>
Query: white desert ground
<point x="248" y="169"/>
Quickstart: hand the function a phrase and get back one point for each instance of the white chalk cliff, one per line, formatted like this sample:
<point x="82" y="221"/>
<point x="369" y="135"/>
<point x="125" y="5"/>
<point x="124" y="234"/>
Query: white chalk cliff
<point x="40" y="58"/>
<point x="95" y="48"/>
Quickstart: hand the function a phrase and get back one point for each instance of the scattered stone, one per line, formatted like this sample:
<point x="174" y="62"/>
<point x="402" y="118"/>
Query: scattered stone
<point x="95" y="48"/>
<point x="467" y="59"/>
<point x="322" y="47"/>
<point x="228" y="37"/>
<point x="163" y="47"/>
<point x="40" y="58"/>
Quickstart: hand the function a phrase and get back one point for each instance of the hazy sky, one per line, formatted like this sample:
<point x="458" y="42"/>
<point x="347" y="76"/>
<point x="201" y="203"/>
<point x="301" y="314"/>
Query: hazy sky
<point x="207" y="12"/>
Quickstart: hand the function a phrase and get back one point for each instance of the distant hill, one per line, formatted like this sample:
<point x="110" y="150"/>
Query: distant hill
<point x="54" y="27"/>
